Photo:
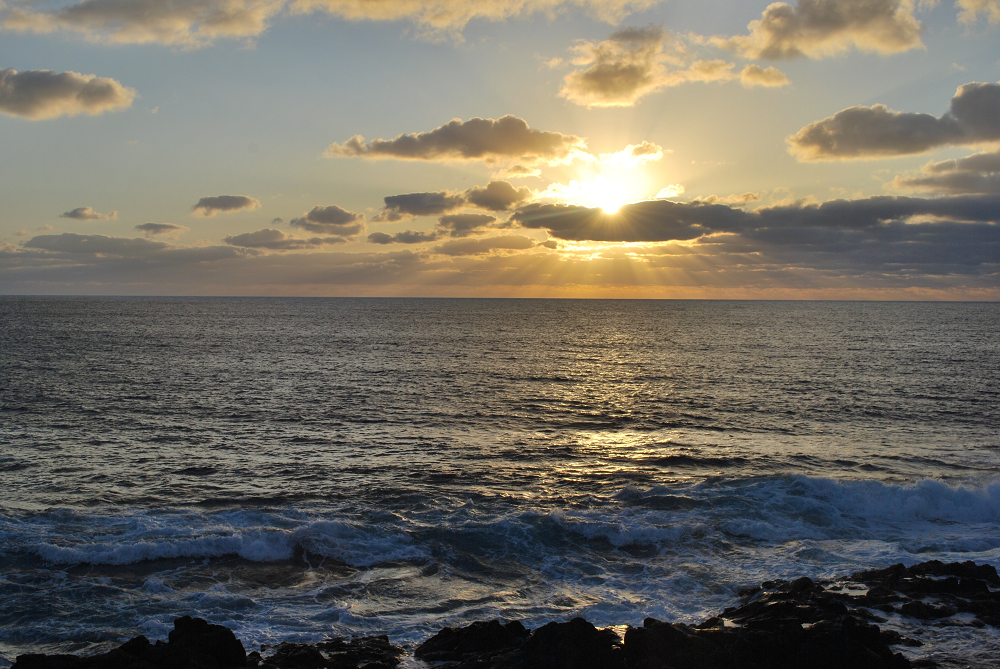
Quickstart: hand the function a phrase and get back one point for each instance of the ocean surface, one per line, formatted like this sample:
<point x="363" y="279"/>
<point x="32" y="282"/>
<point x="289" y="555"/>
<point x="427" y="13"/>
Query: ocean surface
<point x="297" y="469"/>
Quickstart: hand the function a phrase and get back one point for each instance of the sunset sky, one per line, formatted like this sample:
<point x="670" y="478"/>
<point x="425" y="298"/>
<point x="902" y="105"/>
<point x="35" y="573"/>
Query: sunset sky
<point x="580" y="148"/>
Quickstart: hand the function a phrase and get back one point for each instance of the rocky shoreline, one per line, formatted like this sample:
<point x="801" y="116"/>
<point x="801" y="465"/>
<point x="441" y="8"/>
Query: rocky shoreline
<point x="778" y="625"/>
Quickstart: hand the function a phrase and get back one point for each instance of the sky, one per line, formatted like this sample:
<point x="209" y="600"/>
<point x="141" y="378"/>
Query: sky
<point x="829" y="149"/>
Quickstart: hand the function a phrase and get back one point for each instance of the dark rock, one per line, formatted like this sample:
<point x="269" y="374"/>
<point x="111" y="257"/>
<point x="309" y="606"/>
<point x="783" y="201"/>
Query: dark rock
<point x="573" y="645"/>
<point x="201" y="638"/>
<point x="370" y="652"/>
<point x="476" y="639"/>
<point x="925" y="611"/>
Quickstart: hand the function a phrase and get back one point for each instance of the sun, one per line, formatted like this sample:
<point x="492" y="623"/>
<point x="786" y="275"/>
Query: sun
<point x="607" y="194"/>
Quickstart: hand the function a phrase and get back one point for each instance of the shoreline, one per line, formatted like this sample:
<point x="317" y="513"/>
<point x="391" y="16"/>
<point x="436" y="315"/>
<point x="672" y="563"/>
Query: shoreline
<point x="779" y="624"/>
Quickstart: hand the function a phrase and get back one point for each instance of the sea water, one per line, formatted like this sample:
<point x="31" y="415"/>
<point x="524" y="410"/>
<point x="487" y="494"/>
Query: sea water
<point x="302" y="468"/>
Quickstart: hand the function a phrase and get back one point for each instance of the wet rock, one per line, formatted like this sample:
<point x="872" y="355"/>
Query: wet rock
<point x="954" y="587"/>
<point x="202" y="639"/>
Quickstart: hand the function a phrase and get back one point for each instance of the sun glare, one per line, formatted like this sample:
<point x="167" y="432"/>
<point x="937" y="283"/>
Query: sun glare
<point x="609" y="195"/>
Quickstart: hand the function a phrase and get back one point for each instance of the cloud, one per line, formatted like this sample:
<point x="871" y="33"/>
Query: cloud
<point x="496" y="196"/>
<point x="740" y="198"/>
<point x="71" y="243"/>
<point x="506" y="138"/>
<point x="153" y="229"/>
<point x="818" y="28"/>
<point x="435" y="17"/>
<point x="973" y="117"/>
<point x="187" y="23"/>
<point x="467" y="247"/>
<point x="755" y="75"/>
<point x="43" y="94"/>
<point x="330" y="220"/>
<point x="276" y="240"/>
<point x="663" y="220"/>
<point x="410" y="205"/>
<point x="210" y="206"/>
<point x="463" y="225"/>
<point x="88" y="214"/>
<point x="978" y="173"/>
<point x="969" y="10"/>
<point x="405" y="237"/>
<point x="633" y="155"/>
<point x="634" y="62"/>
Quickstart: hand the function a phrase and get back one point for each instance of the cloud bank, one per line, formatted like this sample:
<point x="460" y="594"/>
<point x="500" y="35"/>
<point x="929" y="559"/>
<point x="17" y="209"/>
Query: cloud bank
<point x="276" y="240"/>
<point x="969" y="10"/>
<point x="449" y="16"/>
<point x="88" y="214"/>
<point x="819" y="28"/>
<point x="973" y="117"/>
<point x="490" y="140"/>
<point x="217" y="204"/>
<point x="978" y="173"/>
<point x="43" y="94"/>
<point x="186" y="23"/>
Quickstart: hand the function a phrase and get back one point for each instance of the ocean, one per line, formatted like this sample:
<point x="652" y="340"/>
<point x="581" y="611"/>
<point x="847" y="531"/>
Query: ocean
<point x="302" y="468"/>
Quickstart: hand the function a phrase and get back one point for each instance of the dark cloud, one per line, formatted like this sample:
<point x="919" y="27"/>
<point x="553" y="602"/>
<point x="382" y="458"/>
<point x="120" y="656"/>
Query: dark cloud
<point x="405" y="237"/>
<point x="330" y="220"/>
<point x="410" y="205"/>
<point x="467" y="247"/>
<point x="497" y="196"/>
<point x="506" y="138"/>
<point x="818" y="28"/>
<point x="973" y="117"/>
<point x="978" y="173"/>
<point x="210" y="206"/>
<point x="838" y="226"/>
<point x="188" y="23"/>
<point x="463" y="225"/>
<point x="74" y="244"/>
<point x="44" y="94"/>
<point x="650" y="221"/>
<point x="276" y="240"/>
<point x="88" y="214"/>
<point x="155" y="229"/>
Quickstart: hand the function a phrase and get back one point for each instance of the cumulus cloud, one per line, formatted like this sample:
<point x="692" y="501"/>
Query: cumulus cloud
<point x="276" y="240"/>
<point x="973" y="117"/>
<point x="978" y="173"/>
<point x="634" y="62"/>
<point x="769" y="77"/>
<point x="43" y="94"/>
<point x="210" y="206"/>
<point x="154" y="229"/>
<point x="969" y="10"/>
<point x="490" y="140"/>
<point x="330" y="220"/>
<point x="435" y="17"/>
<point x="405" y="237"/>
<point x="88" y="214"/>
<point x="496" y="196"/>
<point x="187" y="23"/>
<point x="818" y="28"/>
<point x="410" y="205"/>
<point x="468" y="247"/>
<point x="463" y="225"/>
